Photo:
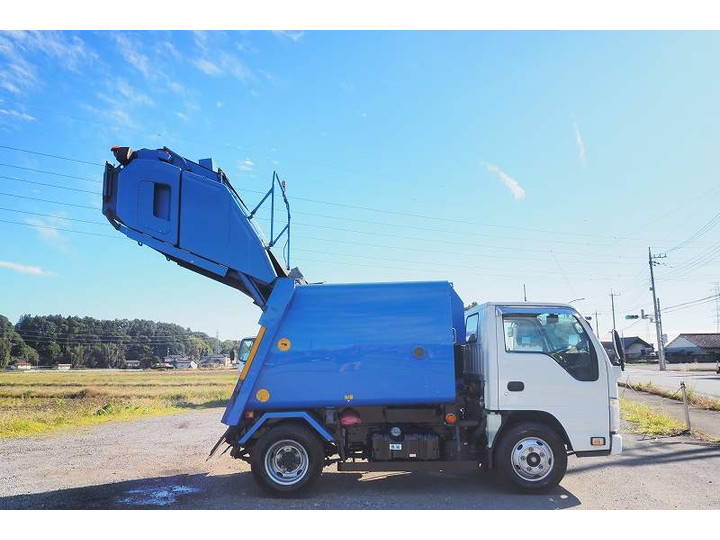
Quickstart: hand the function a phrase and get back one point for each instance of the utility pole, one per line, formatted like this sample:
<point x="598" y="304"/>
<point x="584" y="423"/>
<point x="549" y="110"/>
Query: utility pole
<point x="656" y="305"/>
<point x="716" y="292"/>
<point x="524" y="293"/>
<point x="612" y="305"/>
<point x="597" y="330"/>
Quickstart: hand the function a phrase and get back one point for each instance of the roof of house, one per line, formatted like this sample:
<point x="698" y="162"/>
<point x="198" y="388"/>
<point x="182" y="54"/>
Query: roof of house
<point x="627" y="341"/>
<point x="703" y="341"/>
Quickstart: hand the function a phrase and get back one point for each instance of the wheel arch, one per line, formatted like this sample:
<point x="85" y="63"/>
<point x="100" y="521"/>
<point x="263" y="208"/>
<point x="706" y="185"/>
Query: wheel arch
<point x="511" y="419"/>
<point x="270" y="419"/>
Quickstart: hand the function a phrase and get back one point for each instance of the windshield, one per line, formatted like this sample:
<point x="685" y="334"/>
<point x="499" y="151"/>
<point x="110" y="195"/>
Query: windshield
<point x="558" y="335"/>
<point x="244" y="349"/>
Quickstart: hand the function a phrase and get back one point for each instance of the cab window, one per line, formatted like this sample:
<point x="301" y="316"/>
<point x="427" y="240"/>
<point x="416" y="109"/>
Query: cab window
<point x="557" y="335"/>
<point x="471" y="325"/>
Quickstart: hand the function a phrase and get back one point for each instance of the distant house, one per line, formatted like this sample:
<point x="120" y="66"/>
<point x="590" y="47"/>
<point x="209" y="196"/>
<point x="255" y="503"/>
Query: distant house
<point x="215" y="361"/>
<point x="180" y="361"/>
<point x="634" y="347"/>
<point x="64" y="367"/>
<point x="185" y="364"/>
<point x="694" y="348"/>
<point x="23" y="365"/>
<point x="132" y="364"/>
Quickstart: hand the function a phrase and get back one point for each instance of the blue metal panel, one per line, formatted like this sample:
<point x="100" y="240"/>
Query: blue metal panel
<point x="277" y="304"/>
<point x="362" y="344"/>
<point x="287" y="414"/>
<point x="195" y="213"/>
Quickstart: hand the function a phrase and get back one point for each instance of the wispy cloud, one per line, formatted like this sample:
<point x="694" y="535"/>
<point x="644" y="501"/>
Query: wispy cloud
<point x="207" y="67"/>
<point x="24" y="268"/>
<point x="131" y="51"/>
<point x="131" y="94"/>
<point x="18" y="73"/>
<point x="17" y="115"/>
<point x="216" y="60"/>
<point x="582" y="154"/>
<point x="292" y="35"/>
<point x="247" y="165"/>
<point x="513" y="185"/>
<point x="48" y="229"/>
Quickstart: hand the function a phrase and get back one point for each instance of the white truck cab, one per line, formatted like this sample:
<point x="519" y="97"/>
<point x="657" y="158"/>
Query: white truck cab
<point x="542" y="364"/>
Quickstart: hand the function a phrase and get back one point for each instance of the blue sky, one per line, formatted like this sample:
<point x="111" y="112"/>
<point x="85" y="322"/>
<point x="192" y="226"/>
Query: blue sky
<point x="489" y="159"/>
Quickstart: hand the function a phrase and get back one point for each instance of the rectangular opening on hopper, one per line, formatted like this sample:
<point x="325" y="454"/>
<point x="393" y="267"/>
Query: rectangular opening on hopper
<point x="161" y="201"/>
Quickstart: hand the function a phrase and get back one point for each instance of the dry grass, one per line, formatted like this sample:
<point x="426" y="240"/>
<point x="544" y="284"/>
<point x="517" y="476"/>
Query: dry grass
<point x="648" y="421"/>
<point x="38" y="402"/>
<point x="694" y="399"/>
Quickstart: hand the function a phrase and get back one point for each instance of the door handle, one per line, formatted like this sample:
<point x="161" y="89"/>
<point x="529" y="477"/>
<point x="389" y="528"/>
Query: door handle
<point x="516" y="386"/>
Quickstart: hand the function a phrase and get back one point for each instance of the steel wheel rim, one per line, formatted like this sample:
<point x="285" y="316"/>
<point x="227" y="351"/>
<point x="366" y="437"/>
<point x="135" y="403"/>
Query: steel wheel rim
<point x="532" y="459"/>
<point x="286" y="462"/>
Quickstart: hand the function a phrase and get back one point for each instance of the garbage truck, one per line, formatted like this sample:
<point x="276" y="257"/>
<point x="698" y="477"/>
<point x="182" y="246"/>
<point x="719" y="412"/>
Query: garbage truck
<point x="371" y="376"/>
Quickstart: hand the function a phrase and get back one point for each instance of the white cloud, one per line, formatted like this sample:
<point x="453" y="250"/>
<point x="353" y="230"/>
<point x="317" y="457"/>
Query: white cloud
<point x="131" y="94"/>
<point x="17" y="114"/>
<point x="513" y="185"/>
<point x="580" y="144"/>
<point x="292" y="35"/>
<point x="182" y="116"/>
<point x="130" y="51"/>
<point x="17" y="73"/>
<point x="47" y="229"/>
<point x="247" y="165"/>
<point x="24" y="268"/>
<point x="207" y="67"/>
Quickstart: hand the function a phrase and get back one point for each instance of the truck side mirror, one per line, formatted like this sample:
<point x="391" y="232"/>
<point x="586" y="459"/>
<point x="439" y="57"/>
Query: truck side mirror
<point x="472" y="338"/>
<point x="619" y="349"/>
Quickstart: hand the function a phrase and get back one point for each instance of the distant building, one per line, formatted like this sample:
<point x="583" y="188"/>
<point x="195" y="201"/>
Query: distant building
<point x="215" y="361"/>
<point x="64" y="367"/>
<point x="180" y="361"/>
<point x="634" y="347"/>
<point x="24" y="365"/>
<point x="185" y="364"/>
<point x="694" y="348"/>
<point x="132" y="364"/>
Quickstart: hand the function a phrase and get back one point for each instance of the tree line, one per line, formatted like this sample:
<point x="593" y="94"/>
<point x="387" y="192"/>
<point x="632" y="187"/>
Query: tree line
<point x="48" y="340"/>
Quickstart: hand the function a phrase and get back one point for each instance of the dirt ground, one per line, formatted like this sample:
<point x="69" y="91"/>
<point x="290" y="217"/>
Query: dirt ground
<point x="160" y="463"/>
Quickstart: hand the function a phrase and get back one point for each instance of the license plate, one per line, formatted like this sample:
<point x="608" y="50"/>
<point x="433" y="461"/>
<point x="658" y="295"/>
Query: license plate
<point x="395" y="446"/>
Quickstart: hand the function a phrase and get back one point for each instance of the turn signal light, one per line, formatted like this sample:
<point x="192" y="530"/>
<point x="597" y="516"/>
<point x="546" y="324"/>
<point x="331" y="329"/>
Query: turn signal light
<point x="450" y="418"/>
<point x="597" y="441"/>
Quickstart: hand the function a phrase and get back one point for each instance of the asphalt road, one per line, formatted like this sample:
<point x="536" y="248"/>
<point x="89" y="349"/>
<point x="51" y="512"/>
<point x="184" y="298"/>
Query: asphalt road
<point x="160" y="463"/>
<point x="707" y="383"/>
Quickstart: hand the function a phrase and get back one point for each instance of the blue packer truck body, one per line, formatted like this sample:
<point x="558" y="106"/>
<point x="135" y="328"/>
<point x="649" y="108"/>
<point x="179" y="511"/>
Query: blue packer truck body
<point x="371" y="376"/>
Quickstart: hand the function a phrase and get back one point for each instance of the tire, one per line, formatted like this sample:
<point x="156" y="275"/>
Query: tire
<point x="532" y="457"/>
<point x="287" y="459"/>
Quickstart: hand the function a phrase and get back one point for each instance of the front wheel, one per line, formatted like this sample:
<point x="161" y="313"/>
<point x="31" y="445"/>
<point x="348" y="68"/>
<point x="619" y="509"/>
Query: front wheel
<point x="532" y="457"/>
<point x="287" y="459"/>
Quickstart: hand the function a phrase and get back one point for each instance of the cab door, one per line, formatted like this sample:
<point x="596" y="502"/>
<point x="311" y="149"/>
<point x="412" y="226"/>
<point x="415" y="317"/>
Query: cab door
<point x="547" y="361"/>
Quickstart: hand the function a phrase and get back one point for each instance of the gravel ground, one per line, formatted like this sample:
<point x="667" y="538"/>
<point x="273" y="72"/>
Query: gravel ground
<point x="160" y="463"/>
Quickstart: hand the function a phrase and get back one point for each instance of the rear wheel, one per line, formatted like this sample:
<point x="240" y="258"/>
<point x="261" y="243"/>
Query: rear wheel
<point x="532" y="457"/>
<point x="287" y="459"/>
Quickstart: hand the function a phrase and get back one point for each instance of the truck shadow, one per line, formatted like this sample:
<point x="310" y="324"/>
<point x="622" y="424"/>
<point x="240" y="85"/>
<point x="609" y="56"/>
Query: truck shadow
<point x="653" y="453"/>
<point x="333" y="491"/>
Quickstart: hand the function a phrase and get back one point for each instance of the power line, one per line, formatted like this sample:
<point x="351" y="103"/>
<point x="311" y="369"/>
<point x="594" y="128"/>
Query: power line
<point x="51" y="172"/>
<point x="33" y="226"/>
<point x="64" y="158"/>
<point x="97" y="208"/>
<point x="55" y="216"/>
<point x="49" y="185"/>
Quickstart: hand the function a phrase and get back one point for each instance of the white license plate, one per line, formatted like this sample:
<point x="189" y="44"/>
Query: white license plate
<point x="395" y="446"/>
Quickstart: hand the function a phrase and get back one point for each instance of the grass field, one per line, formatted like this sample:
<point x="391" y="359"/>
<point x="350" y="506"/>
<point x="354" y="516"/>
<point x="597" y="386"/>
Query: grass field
<point x="37" y="402"/>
